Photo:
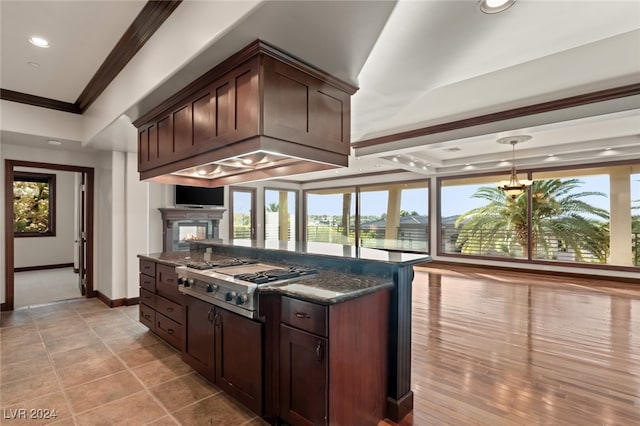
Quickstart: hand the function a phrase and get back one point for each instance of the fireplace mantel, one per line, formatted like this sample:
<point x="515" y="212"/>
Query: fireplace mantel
<point x="173" y="218"/>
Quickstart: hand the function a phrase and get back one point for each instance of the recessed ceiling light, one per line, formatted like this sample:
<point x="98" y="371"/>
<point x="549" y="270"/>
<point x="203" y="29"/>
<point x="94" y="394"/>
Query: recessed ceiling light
<point x="202" y="172"/>
<point x="495" y="6"/>
<point x="34" y="64"/>
<point x="39" y="42"/>
<point x="54" y="142"/>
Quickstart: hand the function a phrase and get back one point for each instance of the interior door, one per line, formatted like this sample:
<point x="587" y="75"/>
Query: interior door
<point x="243" y="213"/>
<point x="81" y="238"/>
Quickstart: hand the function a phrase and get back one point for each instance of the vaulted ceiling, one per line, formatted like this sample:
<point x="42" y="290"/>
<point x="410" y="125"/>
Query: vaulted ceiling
<point x="420" y="65"/>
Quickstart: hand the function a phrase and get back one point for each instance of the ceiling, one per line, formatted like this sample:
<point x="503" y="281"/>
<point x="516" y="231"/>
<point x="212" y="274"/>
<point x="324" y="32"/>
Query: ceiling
<point x="417" y="64"/>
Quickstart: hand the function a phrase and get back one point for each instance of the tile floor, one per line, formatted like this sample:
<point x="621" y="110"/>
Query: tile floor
<point x="44" y="286"/>
<point x="99" y="366"/>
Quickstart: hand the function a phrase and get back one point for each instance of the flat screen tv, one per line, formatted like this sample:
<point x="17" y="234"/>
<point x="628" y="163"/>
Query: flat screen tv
<point x="199" y="197"/>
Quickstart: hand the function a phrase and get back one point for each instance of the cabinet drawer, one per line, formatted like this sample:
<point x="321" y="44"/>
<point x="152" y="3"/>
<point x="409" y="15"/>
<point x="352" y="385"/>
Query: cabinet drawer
<point x="167" y="283"/>
<point x="147" y="316"/>
<point x="148" y="267"/>
<point x="148" y="298"/>
<point x="148" y="283"/>
<point x="169" y="330"/>
<point x="305" y="315"/>
<point x="169" y="309"/>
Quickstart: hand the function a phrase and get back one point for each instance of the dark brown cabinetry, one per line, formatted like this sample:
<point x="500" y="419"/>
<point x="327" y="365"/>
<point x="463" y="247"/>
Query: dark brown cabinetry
<point x="226" y="349"/>
<point x="199" y="342"/>
<point x="160" y="301"/>
<point x="259" y="99"/>
<point x="303" y="377"/>
<point x="331" y="362"/>
<point x="239" y="358"/>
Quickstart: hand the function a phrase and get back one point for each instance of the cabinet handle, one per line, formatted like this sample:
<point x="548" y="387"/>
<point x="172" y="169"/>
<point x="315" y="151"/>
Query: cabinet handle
<point x="210" y="316"/>
<point x="147" y="317"/>
<point x="319" y="351"/>
<point x="217" y="320"/>
<point x="169" y="309"/>
<point x="170" y="330"/>
<point x="146" y="267"/>
<point x="302" y="315"/>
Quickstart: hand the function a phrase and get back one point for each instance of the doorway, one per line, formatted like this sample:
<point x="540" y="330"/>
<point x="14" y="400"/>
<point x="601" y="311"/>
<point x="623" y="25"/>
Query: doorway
<point x="242" y="207"/>
<point x="85" y="231"/>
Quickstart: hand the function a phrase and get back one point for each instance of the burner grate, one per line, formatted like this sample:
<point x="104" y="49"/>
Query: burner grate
<point x="272" y="275"/>
<point x="220" y="263"/>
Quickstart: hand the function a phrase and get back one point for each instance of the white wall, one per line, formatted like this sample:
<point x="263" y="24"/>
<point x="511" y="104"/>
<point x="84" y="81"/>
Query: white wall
<point x="41" y="251"/>
<point x="143" y="221"/>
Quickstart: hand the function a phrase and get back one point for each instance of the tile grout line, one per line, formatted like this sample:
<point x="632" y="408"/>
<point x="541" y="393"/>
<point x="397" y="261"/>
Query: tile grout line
<point x="55" y="371"/>
<point x="130" y="371"/>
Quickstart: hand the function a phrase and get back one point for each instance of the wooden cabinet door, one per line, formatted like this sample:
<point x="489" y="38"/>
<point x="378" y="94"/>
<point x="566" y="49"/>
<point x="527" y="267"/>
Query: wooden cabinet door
<point x="147" y="147"/>
<point x="167" y="283"/>
<point x="299" y="107"/>
<point x="239" y="358"/>
<point x="198" y="338"/>
<point x="202" y="123"/>
<point x="182" y="142"/>
<point x="235" y="100"/>
<point x="303" y="377"/>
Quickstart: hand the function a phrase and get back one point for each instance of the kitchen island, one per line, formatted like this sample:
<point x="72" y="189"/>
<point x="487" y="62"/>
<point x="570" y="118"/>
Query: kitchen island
<point x="374" y="284"/>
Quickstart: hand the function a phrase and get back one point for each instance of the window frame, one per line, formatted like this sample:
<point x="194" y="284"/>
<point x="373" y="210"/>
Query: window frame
<point x="49" y="179"/>
<point x="529" y="172"/>
<point x="357" y="189"/>
<point x="296" y="229"/>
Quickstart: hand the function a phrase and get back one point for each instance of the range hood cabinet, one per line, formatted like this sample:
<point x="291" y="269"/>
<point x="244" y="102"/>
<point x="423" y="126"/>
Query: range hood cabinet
<point x="260" y="114"/>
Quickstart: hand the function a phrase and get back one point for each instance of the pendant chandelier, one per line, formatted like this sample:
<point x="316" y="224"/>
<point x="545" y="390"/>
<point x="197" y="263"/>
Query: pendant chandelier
<point x="514" y="187"/>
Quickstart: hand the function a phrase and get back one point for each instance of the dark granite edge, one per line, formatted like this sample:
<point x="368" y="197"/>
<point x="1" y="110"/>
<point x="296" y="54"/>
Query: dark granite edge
<point x="156" y="257"/>
<point x="281" y="290"/>
<point x="378" y="283"/>
<point x="254" y="246"/>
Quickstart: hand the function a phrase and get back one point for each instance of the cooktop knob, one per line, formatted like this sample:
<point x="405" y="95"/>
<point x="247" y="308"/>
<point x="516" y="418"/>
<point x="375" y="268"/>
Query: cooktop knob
<point x="241" y="299"/>
<point x="209" y="288"/>
<point x="180" y="280"/>
<point x="230" y="296"/>
<point x="188" y="283"/>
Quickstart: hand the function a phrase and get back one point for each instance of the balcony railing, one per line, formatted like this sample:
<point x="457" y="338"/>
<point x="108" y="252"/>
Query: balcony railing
<point x="505" y="244"/>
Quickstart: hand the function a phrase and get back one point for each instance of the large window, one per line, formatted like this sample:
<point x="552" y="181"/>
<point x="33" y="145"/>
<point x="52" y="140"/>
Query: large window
<point x="280" y="211"/>
<point x="581" y="216"/>
<point x="395" y="216"/>
<point x="390" y="216"/>
<point x="34" y="204"/>
<point x="242" y="208"/>
<point x="571" y="215"/>
<point x="477" y="218"/>
<point x="331" y="215"/>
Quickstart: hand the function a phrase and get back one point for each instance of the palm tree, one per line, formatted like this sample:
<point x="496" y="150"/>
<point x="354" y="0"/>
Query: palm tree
<point x="557" y="211"/>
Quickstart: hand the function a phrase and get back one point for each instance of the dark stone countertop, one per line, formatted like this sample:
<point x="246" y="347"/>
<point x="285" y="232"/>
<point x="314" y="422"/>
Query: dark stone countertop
<point x="327" y="287"/>
<point x="318" y="250"/>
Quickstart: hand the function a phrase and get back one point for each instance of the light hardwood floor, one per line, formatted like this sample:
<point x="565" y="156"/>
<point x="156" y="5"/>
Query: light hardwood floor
<point x="500" y="348"/>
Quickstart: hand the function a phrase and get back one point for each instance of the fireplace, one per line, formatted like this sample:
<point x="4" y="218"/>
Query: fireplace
<point x="183" y="226"/>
